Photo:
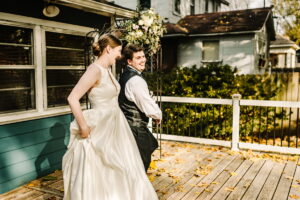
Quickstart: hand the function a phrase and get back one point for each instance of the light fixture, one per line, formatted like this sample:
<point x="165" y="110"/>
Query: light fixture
<point x="51" y="10"/>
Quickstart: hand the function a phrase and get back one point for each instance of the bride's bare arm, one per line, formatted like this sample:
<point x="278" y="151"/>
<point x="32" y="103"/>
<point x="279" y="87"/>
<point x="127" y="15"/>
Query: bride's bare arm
<point x="86" y="82"/>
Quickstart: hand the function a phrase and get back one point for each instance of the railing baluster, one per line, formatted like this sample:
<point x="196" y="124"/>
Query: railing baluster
<point x="274" y="130"/>
<point x="207" y="117"/>
<point x="281" y="126"/>
<point x="259" y="125"/>
<point x="189" y="118"/>
<point x="253" y="114"/>
<point x="267" y="131"/>
<point x="289" y="129"/>
<point x="297" y="136"/>
<point x="201" y="118"/>
<point x="220" y="123"/>
<point x="213" y="122"/>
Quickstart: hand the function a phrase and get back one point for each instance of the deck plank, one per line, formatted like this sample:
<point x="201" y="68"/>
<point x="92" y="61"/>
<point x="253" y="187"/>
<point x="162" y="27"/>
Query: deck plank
<point x="271" y="183"/>
<point x="285" y="181"/>
<point x="194" y="180"/>
<point x="233" y="181"/>
<point x="295" y="187"/>
<point x="220" y="180"/>
<point x="208" y="179"/>
<point x="255" y="187"/>
<point x="186" y="175"/>
<point x="240" y="188"/>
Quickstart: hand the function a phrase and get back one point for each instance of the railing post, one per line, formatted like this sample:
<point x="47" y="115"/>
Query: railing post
<point x="235" y="121"/>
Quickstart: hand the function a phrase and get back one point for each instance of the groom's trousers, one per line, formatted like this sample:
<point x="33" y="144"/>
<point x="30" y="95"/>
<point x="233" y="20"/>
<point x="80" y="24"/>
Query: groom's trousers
<point x="146" y="143"/>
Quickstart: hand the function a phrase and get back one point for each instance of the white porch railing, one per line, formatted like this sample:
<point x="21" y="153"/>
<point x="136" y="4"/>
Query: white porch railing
<point x="236" y="102"/>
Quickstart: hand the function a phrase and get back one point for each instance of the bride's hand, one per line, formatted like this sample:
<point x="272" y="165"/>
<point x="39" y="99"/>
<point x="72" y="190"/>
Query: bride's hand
<point x="85" y="131"/>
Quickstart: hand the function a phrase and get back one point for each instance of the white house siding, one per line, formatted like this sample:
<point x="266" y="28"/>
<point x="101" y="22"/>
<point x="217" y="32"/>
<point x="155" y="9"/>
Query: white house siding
<point x="287" y="51"/>
<point x="236" y="51"/>
<point x="131" y="4"/>
<point x="189" y="52"/>
<point x="165" y="8"/>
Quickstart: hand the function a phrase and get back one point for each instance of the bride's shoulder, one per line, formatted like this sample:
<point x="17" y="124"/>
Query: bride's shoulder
<point x="95" y="68"/>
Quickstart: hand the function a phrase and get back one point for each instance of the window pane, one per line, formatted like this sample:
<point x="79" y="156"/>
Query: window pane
<point x="65" y="40"/>
<point x="15" y="46"/>
<point x="17" y="91"/>
<point x="15" y="35"/>
<point x="14" y="55"/>
<point x="210" y="50"/>
<point x="177" y="5"/>
<point x="58" y="57"/>
<point x="64" y="49"/>
<point x="59" y="85"/>
<point x="281" y="60"/>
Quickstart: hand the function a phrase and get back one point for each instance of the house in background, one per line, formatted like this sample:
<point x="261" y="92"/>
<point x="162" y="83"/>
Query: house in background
<point x="283" y="53"/>
<point x="174" y="10"/>
<point x="239" y="38"/>
<point x="41" y="59"/>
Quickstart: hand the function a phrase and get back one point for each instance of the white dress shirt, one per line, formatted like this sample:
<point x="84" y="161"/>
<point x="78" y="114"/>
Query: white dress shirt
<point x="136" y="90"/>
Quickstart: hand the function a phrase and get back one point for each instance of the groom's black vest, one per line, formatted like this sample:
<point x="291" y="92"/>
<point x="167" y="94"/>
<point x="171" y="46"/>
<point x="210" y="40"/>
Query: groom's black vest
<point x="134" y="115"/>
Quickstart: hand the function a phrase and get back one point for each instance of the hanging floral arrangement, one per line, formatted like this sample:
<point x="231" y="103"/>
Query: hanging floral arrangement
<point x="145" y="30"/>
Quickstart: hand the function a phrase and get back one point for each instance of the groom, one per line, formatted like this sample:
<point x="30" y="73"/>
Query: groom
<point x="136" y="103"/>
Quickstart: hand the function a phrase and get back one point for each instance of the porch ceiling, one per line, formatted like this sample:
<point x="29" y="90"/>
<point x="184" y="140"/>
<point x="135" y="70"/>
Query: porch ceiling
<point x="98" y="8"/>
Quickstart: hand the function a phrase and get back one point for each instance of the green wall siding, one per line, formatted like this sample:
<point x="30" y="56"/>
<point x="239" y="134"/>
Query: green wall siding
<point x="31" y="149"/>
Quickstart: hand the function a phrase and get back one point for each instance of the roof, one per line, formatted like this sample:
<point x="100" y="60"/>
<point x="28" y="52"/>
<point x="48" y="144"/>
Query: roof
<point x="236" y="21"/>
<point x="282" y="41"/>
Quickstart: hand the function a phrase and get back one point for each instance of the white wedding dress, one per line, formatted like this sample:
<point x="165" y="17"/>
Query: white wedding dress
<point x="107" y="165"/>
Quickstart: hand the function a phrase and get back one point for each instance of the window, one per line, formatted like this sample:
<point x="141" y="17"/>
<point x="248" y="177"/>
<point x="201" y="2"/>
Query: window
<point x="206" y="6"/>
<point x="145" y="4"/>
<point x="17" y="87"/>
<point x="39" y="65"/>
<point x="210" y="51"/>
<point x="177" y="6"/>
<point x="192" y="7"/>
<point x="282" y="60"/>
<point x="64" y="65"/>
<point x="298" y="56"/>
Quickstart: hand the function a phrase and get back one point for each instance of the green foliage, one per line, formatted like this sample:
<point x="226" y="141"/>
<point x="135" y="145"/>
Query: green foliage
<point x="213" y="121"/>
<point x="287" y="12"/>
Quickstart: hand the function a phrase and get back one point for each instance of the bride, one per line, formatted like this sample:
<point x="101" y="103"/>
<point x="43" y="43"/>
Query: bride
<point x="102" y="161"/>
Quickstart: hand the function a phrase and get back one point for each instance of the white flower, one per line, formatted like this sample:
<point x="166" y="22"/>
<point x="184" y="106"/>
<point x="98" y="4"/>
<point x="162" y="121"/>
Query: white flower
<point x="145" y="28"/>
<point x="141" y="22"/>
<point x="134" y="26"/>
<point x="139" y="33"/>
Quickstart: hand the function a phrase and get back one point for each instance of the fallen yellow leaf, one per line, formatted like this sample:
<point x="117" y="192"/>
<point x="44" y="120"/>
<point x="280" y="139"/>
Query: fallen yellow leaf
<point x="233" y="173"/>
<point x="151" y="178"/>
<point x="293" y="196"/>
<point x="229" y="189"/>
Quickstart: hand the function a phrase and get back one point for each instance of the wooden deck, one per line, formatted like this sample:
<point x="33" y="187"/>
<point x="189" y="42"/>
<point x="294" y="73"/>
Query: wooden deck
<point x="190" y="171"/>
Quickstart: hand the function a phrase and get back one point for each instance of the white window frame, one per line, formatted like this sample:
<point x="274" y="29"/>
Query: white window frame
<point x="210" y="61"/>
<point x="39" y="27"/>
<point x="174" y="8"/>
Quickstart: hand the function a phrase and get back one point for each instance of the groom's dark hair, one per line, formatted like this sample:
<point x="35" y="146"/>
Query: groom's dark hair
<point x="130" y="49"/>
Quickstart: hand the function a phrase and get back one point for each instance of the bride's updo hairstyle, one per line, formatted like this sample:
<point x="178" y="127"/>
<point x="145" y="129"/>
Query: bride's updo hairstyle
<point x="103" y="42"/>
